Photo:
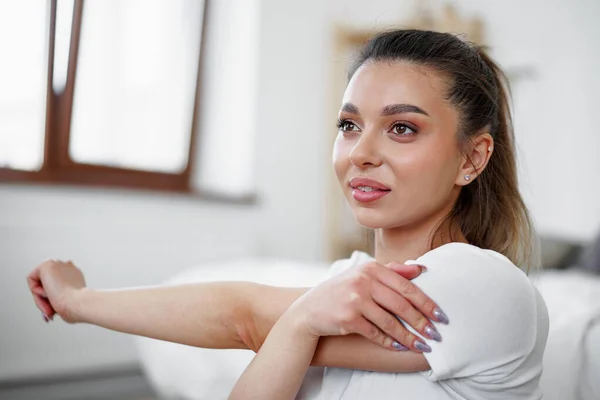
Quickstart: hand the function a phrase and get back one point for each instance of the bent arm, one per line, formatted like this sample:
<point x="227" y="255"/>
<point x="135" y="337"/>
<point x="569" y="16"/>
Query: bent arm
<point x="225" y="315"/>
<point x="289" y="350"/>
<point x="284" y="359"/>
<point x="350" y="351"/>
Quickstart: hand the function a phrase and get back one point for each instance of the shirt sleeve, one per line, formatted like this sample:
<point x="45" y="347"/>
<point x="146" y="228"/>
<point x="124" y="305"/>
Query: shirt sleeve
<point x="491" y="307"/>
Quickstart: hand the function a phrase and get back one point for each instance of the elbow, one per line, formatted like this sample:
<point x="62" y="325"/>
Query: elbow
<point x="244" y="335"/>
<point x="242" y="324"/>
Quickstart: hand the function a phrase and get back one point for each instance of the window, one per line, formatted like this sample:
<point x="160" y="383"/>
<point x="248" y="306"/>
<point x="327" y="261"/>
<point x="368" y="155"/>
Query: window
<point x="100" y="92"/>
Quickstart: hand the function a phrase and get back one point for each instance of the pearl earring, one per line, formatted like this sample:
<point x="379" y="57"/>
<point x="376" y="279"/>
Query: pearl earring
<point x="467" y="177"/>
<point x="490" y="148"/>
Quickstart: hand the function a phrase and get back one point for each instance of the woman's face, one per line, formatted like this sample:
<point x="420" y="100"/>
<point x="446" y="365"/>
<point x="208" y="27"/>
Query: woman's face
<point x="396" y="154"/>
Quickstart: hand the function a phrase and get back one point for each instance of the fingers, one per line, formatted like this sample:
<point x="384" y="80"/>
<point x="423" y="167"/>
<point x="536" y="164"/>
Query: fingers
<point x="38" y="290"/>
<point x="407" y="271"/>
<point x="35" y="285"/>
<point x="44" y="307"/>
<point x="400" y="307"/>
<point x="391" y="329"/>
<point x="39" y="294"/>
<point x="412" y="293"/>
<point x="33" y="279"/>
<point x="367" y="329"/>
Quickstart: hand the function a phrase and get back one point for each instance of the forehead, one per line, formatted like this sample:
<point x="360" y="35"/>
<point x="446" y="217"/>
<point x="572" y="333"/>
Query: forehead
<point x="377" y="84"/>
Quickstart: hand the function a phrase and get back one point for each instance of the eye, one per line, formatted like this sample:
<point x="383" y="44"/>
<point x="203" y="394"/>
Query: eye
<point x="346" y="125"/>
<point x="402" y="129"/>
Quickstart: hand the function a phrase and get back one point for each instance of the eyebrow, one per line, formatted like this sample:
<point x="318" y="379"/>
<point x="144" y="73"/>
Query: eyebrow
<point x="391" y="109"/>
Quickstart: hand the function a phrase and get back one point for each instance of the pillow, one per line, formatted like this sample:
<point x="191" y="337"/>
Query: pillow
<point x="590" y="258"/>
<point x="559" y="253"/>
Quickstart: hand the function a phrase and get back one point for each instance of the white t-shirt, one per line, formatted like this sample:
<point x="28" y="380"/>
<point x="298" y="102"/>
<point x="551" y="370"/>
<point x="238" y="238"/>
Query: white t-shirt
<point x="491" y="349"/>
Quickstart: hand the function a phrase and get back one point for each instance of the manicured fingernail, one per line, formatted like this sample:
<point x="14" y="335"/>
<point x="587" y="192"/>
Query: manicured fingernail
<point x="399" y="346"/>
<point x="432" y="333"/>
<point x="45" y="318"/>
<point x="423" y="268"/>
<point x="440" y="316"/>
<point x="422" y="346"/>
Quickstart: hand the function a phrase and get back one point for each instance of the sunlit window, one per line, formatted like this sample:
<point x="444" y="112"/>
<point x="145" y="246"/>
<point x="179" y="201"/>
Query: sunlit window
<point x="23" y="81"/>
<point x="136" y="83"/>
<point x="107" y="93"/>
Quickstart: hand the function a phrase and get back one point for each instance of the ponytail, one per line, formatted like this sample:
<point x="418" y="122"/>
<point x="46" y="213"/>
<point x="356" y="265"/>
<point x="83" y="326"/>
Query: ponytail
<point x="490" y="209"/>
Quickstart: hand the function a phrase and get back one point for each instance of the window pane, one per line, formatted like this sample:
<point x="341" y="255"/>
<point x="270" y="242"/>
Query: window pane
<point x="136" y="82"/>
<point x="62" y="42"/>
<point x="23" y="79"/>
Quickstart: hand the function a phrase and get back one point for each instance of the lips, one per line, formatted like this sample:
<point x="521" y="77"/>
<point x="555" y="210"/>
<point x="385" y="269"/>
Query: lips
<point x="366" y="182"/>
<point x="366" y="190"/>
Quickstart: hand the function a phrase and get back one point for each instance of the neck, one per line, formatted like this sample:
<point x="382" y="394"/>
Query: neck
<point x="410" y="242"/>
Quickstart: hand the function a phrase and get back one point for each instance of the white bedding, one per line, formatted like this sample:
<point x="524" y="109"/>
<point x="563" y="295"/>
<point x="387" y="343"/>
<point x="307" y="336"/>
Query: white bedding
<point x="572" y="357"/>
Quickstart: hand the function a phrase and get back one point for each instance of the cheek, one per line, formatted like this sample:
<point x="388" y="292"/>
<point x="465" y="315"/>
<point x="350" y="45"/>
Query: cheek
<point x="426" y="173"/>
<point x="341" y="159"/>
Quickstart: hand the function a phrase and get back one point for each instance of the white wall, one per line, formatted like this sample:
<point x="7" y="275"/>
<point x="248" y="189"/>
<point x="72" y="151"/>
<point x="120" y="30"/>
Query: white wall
<point x="555" y="125"/>
<point x="124" y="239"/>
<point x="557" y="135"/>
<point x="119" y="240"/>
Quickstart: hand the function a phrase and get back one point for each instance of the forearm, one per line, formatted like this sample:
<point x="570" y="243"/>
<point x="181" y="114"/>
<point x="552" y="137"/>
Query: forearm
<point x="350" y="351"/>
<point x="211" y="315"/>
<point x="279" y="367"/>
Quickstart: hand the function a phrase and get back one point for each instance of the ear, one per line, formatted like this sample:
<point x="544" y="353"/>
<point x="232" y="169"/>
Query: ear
<point x="476" y="158"/>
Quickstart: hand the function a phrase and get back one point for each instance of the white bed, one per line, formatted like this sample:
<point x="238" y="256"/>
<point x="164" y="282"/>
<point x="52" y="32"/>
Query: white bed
<point x="572" y="357"/>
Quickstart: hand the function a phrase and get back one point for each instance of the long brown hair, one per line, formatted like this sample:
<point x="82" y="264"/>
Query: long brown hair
<point x="490" y="210"/>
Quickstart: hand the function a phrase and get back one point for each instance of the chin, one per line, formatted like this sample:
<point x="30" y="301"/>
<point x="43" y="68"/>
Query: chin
<point x="372" y="218"/>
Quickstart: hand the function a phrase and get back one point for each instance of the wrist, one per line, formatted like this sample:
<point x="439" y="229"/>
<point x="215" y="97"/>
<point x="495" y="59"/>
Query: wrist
<point x="77" y="305"/>
<point x="299" y="323"/>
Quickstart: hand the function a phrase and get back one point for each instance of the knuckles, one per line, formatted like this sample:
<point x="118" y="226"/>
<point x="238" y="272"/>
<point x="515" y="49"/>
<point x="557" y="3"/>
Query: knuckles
<point x="373" y="333"/>
<point x="348" y="316"/>
<point x="428" y="305"/>
<point x="402" y="307"/>
<point x="370" y="268"/>
<point x="389" y="324"/>
<point x="420" y="322"/>
<point x="408" y="287"/>
<point x="358" y="281"/>
<point x="363" y="276"/>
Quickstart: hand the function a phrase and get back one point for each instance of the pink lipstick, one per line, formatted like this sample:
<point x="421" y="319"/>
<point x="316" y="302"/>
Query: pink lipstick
<point x="367" y="190"/>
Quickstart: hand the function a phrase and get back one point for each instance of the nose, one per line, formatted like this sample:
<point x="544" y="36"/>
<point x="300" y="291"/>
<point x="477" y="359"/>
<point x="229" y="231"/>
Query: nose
<point x="365" y="152"/>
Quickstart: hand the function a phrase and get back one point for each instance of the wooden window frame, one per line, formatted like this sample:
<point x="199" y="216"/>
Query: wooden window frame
<point x="58" y="167"/>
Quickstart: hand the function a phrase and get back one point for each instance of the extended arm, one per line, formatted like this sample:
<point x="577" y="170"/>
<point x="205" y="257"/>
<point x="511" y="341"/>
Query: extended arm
<point x="210" y="315"/>
<point x="214" y="315"/>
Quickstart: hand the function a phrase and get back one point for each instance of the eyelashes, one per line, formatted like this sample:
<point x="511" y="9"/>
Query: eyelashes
<point x="404" y="128"/>
<point x="343" y="123"/>
<point x="401" y="129"/>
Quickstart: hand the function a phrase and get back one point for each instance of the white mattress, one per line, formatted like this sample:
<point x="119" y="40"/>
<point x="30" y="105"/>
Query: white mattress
<point x="572" y="357"/>
<point x="590" y="383"/>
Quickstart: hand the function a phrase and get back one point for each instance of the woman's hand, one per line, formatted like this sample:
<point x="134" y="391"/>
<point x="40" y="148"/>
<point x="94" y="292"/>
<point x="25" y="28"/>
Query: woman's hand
<point x="53" y="285"/>
<point x="366" y="300"/>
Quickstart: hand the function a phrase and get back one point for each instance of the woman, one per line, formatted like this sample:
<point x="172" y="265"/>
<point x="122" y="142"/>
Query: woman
<point x="425" y="157"/>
